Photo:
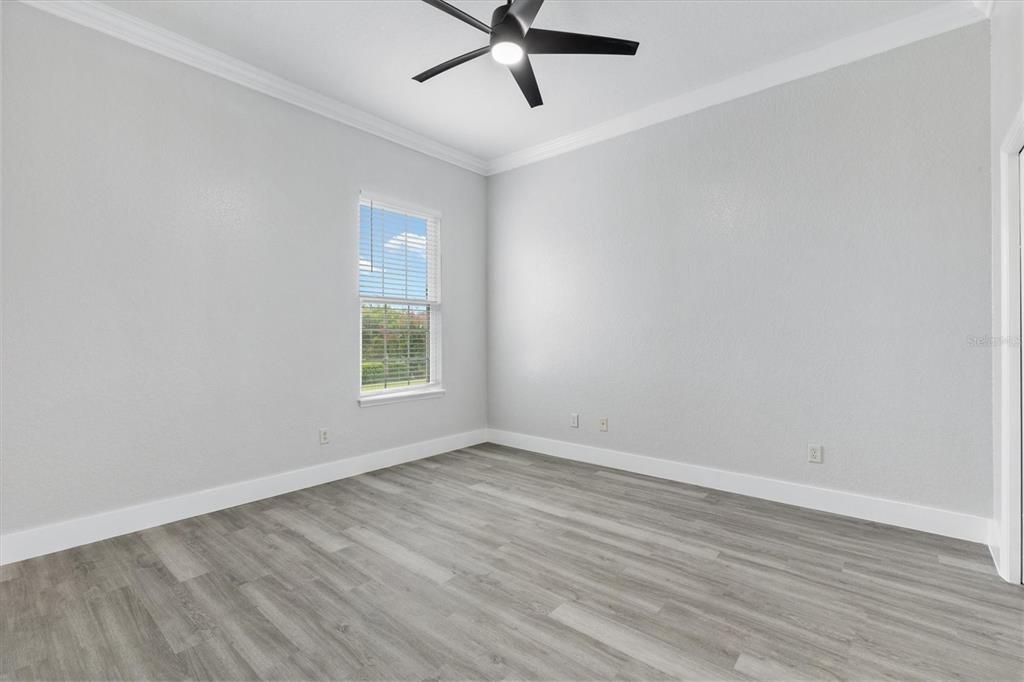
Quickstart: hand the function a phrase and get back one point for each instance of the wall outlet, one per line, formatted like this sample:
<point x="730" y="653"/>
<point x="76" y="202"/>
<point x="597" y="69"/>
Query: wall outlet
<point x="602" y="423"/>
<point x="815" y="454"/>
<point x="574" y="420"/>
<point x="324" y="438"/>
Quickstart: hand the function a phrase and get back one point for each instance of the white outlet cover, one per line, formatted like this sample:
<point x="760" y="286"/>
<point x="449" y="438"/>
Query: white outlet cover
<point x="574" y="420"/>
<point x="815" y="454"/>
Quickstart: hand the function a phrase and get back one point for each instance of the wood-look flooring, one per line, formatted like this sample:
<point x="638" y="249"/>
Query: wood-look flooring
<point x="493" y="564"/>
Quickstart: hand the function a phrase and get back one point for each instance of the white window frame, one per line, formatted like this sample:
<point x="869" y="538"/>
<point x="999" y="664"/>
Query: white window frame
<point x="434" y="387"/>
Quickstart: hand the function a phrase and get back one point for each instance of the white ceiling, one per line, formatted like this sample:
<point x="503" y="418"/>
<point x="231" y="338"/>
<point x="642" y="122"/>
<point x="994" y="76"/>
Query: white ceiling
<point x="365" y="52"/>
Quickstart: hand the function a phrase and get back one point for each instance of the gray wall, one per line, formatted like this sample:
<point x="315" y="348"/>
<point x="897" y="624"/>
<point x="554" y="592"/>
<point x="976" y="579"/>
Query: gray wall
<point x="179" y="279"/>
<point x="803" y="265"/>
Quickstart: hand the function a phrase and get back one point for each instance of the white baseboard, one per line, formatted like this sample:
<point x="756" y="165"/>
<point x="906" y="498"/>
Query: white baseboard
<point x="54" y="537"/>
<point x="1002" y="549"/>
<point x="904" y="514"/>
<point x="993" y="549"/>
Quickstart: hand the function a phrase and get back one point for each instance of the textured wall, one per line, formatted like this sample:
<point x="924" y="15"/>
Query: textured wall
<point x="803" y="265"/>
<point x="179" y="279"/>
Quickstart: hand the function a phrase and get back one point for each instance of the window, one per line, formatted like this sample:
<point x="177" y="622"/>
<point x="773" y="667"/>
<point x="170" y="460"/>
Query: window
<point x="400" y="303"/>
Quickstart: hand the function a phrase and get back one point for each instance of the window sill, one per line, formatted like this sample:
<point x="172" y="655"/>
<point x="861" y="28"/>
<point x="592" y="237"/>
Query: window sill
<point x="373" y="399"/>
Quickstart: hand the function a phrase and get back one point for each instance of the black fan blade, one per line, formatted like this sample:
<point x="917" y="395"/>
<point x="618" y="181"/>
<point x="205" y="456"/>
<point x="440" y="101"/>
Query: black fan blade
<point x="525" y="11"/>
<point x="539" y="41"/>
<point x="441" y="68"/>
<point x="523" y="72"/>
<point x="459" y="14"/>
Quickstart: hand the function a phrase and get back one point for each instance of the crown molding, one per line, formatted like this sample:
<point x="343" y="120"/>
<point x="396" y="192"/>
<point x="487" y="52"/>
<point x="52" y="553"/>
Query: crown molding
<point x="123" y="26"/>
<point x="932" y="22"/>
<point x="106" y="19"/>
<point x="985" y="7"/>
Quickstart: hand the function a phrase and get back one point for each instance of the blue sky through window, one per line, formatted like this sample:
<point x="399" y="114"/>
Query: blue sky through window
<point x="392" y="254"/>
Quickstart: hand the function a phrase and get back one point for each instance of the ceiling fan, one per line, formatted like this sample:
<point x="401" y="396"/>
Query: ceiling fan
<point x="513" y="40"/>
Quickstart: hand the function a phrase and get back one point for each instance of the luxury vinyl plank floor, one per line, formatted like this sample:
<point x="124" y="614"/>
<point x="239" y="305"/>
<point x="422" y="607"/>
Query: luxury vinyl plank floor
<point x="494" y="564"/>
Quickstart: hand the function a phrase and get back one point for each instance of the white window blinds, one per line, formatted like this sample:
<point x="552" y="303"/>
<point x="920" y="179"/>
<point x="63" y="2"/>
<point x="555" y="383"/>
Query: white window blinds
<point x="399" y="289"/>
<point x="397" y="253"/>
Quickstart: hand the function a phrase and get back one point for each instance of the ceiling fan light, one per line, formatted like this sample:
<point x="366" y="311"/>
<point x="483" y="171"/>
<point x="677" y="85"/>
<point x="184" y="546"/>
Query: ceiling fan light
<point x="507" y="52"/>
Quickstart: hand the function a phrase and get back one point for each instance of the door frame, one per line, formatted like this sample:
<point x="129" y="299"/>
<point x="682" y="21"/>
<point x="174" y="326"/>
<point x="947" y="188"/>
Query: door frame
<point x="1006" y="532"/>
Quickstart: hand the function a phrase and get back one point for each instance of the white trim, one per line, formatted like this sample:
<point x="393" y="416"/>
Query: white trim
<point x="434" y="388"/>
<point x="54" y="537"/>
<point x="106" y="19"/>
<point x="985" y="7"/>
<point x="993" y="545"/>
<point x="1006" y="357"/>
<point x="932" y="22"/>
<point x="391" y="203"/>
<point x="113" y="22"/>
<point x="71" y="533"/>
<point x="903" y="514"/>
<point x="401" y="396"/>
